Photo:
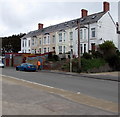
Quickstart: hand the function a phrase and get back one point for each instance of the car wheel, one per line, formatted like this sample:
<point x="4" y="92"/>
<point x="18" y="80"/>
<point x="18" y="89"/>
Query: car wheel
<point x="25" y="69"/>
<point x="17" y="69"/>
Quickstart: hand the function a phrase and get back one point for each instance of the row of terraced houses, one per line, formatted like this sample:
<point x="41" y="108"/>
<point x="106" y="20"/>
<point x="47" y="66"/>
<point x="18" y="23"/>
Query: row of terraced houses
<point x="62" y="38"/>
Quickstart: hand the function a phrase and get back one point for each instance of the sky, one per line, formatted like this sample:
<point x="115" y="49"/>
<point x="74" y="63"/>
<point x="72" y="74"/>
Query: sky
<point x="23" y="16"/>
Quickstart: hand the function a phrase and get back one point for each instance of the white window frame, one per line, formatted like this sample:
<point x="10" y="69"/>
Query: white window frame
<point x="29" y="43"/>
<point x="53" y="39"/>
<point x="85" y="32"/>
<point x="40" y="41"/>
<point x="48" y="49"/>
<point x="45" y="50"/>
<point x="81" y="48"/>
<point x="85" y="48"/>
<point x="81" y="34"/>
<point x="60" y="49"/>
<point x="44" y="40"/>
<point x="93" y="32"/>
<point x="71" y="35"/>
<point x="48" y="39"/>
<point x="64" y="48"/>
<point x="64" y="37"/>
<point x="40" y="50"/>
<point x="60" y="37"/>
<point x="33" y="41"/>
<point x="23" y="43"/>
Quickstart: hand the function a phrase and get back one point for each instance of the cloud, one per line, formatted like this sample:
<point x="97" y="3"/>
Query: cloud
<point x="23" y="15"/>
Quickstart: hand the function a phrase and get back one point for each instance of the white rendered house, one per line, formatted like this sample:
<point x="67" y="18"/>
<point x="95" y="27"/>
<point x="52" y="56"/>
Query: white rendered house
<point x="94" y="30"/>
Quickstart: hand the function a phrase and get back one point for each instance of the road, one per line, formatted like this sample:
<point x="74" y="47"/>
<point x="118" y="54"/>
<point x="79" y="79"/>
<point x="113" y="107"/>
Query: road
<point x="101" y="89"/>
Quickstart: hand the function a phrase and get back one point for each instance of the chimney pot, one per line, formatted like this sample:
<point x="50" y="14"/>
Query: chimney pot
<point x="40" y="26"/>
<point x="84" y="12"/>
<point x="106" y="6"/>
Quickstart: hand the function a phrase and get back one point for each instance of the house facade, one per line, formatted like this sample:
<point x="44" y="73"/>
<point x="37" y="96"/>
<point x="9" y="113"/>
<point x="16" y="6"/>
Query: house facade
<point x="63" y="38"/>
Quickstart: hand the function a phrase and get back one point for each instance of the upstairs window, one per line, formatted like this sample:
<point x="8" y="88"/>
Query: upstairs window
<point x="29" y="43"/>
<point x="60" y="37"/>
<point x="71" y="35"/>
<point x="44" y="40"/>
<point x="53" y="39"/>
<point x="23" y="43"/>
<point x="40" y="41"/>
<point x="84" y="33"/>
<point x="81" y="34"/>
<point x="93" y="32"/>
<point x="48" y="39"/>
<point x="32" y="41"/>
<point x="64" y="37"/>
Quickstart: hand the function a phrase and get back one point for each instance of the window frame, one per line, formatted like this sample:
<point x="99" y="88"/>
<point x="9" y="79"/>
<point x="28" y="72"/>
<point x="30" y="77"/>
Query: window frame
<point x="60" y="37"/>
<point x="93" y="32"/>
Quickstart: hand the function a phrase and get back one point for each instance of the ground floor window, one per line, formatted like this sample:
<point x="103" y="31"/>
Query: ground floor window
<point x="81" y="49"/>
<point x="48" y="49"/>
<point x="84" y="48"/>
<point x="60" y="49"/>
<point x="44" y="50"/>
<point x="40" y="50"/>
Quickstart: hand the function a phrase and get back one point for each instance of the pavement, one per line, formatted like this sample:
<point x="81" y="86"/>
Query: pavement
<point x="24" y="98"/>
<point x="112" y="76"/>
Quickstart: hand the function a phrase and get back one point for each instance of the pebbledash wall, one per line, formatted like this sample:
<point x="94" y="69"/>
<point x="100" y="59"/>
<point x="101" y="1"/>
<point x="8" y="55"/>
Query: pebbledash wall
<point x="62" y="38"/>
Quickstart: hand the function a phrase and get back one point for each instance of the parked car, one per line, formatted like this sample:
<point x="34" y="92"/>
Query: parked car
<point x="26" y="67"/>
<point x="1" y="65"/>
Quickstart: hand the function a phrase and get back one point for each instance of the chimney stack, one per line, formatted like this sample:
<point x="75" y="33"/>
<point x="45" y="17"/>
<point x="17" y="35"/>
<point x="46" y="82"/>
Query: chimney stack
<point x="84" y="13"/>
<point x="40" y="26"/>
<point x="106" y="6"/>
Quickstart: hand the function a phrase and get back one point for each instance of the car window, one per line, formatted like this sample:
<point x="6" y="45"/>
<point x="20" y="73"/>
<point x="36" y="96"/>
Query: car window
<point x="23" y="64"/>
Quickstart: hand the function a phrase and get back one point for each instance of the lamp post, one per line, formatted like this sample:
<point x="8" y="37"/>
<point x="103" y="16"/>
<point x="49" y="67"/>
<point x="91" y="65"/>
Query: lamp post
<point x="79" y="58"/>
<point x="71" y="54"/>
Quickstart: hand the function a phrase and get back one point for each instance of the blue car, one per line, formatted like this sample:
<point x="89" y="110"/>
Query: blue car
<point x="26" y="67"/>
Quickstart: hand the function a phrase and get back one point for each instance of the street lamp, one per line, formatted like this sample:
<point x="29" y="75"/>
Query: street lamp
<point x="71" y="55"/>
<point x="79" y="58"/>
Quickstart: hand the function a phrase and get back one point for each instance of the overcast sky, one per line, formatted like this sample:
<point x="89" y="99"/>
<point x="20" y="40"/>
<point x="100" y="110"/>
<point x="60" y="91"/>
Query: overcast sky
<point x="22" y="16"/>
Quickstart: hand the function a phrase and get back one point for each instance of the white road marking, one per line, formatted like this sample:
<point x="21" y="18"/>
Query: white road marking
<point x="32" y="82"/>
<point x="78" y="92"/>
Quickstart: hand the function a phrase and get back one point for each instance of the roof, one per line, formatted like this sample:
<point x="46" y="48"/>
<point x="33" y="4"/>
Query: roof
<point x="69" y="24"/>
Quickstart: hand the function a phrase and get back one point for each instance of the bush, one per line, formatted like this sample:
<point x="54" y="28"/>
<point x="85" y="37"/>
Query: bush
<point x="114" y="62"/>
<point x="96" y="54"/>
<point x="88" y="64"/>
<point x="108" y="49"/>
<point x="91" y="63"/>
<point x="56" y="57"/>
<point x="52" y="57"/>
<point x="87" y="56"/>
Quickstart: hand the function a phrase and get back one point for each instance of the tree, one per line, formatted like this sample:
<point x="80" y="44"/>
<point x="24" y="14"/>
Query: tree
<point x="12" y="43"/>
<point x="108" y="49"/>
<point x="111" y="54"/>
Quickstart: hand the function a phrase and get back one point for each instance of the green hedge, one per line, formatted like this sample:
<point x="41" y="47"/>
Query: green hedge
<point x="88" y="64"/>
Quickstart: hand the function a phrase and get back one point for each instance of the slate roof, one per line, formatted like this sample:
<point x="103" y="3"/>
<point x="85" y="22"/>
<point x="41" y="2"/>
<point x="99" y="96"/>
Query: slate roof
<point x="69" y="24"/>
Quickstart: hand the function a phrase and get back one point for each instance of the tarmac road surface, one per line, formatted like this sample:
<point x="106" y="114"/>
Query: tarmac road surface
<point x="22" y="98"/>
<point x="102" y="89"/>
